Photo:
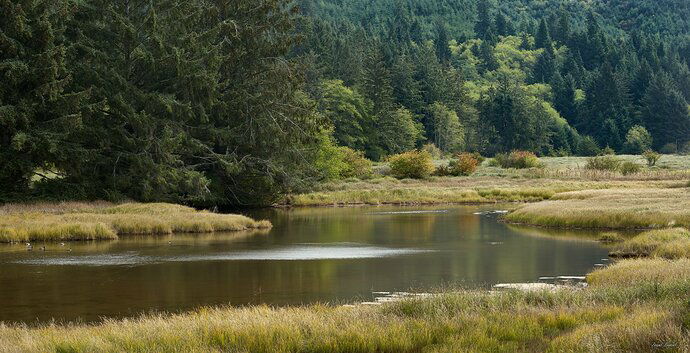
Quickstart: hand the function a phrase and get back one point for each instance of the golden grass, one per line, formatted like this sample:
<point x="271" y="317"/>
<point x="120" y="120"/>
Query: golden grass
<point x="76" y="221"/>
<point x="613" y="209"/>
<point x="667" y="243"/>
<point x="616" y="313"/>
<point x="640" y="271"/>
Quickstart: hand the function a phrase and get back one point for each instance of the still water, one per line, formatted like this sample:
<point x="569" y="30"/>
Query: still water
<point x="333" y="255"/>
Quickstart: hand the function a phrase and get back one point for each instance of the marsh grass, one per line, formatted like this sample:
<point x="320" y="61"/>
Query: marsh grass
<point x="667" y="243"/>
<point x="618" y="312"/>
<point x="83" y="221"/>
<point x="609" y="209"/>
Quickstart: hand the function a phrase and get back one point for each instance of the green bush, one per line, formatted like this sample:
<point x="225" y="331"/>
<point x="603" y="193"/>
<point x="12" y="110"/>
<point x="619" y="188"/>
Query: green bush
<point x="628" y="168"/>
<point x="355" y="164"/>
<point x="412" y="165"/>
<point x="337" y="163"/>
<point x="518" y="160"/>
<point x="651" y="157"/>
<point x="606" y="163"/>
<point x="638" y="139"/>
<point x="464" y="165"/>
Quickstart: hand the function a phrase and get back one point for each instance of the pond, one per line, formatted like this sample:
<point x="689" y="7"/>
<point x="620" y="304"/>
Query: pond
<point x="329" y="255"/>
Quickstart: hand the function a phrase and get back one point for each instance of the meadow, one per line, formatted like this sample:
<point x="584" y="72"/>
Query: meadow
<point x="70" y="221"/>
<point x="491" y="184"/>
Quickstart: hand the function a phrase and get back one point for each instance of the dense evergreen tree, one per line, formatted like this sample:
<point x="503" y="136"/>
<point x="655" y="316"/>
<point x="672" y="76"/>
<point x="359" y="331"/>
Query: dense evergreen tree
<point x="665" y="113"/>
<point x="37" y="108"/>
<point x="543" y="37"/>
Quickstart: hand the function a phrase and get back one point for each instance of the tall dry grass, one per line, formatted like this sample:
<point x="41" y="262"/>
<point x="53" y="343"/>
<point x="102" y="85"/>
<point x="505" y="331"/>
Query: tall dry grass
<point x="611" y="209"/>
<point x="84" y="221"/>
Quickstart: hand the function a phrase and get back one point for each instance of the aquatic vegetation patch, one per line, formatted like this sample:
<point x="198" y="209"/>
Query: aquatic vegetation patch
<point x="58" y="223"/>
<point x="609" y="209"/>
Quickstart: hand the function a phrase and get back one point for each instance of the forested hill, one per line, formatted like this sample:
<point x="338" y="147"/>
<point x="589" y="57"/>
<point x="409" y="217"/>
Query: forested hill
<point x="243" y="101"/>
<point x="553" y="77"/>
<point x="662" y="16"/>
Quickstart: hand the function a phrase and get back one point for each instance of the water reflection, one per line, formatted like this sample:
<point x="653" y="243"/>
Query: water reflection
<point x="323" y="254"/>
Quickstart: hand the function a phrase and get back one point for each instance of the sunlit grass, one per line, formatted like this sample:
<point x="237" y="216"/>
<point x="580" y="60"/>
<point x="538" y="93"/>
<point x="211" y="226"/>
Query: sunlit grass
<point x="77" y="221"/>
<point x="620" y="209"/>
<point x="634" y="305"/>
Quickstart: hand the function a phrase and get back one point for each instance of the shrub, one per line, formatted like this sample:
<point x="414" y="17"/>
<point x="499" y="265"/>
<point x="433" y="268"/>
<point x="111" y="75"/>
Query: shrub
<point x="355" y="164"/>
<point x="637" y="139"/>
<point x="607" y="151"/>
<point x="465" y="164"/>
<point x="651" y="157"/>
<point x="669" y="148"/>
<point x="434" y="151"/>
<point x="498" y="160"/>
<point x="628" y="168"/>
<point x="413" y="164"/>
<point x="443" y="170"/>
<point x="478" y="156"/>
<point x="518" y="160"/>
<point x="609" y="163"/>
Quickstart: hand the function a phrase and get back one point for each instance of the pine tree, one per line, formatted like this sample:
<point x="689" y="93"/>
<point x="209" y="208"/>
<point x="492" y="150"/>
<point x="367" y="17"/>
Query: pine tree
<point x="488" y="61"/>
<point x="441" y="44"/>
<point x="564" y="92"/>
<point x="37" y="108"/>
<point x="665" y="112"/>
<point x="504" y="27"/>
<point x="484" y="28"/>
<point x="543" y="37"/>
<point x="545" y="67"/>
<point x="563" y="32"/>
<point x="606" y="115"/>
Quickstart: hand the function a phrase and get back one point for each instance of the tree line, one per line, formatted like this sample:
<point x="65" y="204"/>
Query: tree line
<point x="563" y="80"/>
<point x="237" y="102"/>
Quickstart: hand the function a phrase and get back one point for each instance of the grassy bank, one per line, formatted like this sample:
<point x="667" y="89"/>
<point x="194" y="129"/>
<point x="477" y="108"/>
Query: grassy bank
<point x="100" y="220"/>
<point x="615" y="208"/>
<point x="620" y="311"/>
<point x="444" y="190"/>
